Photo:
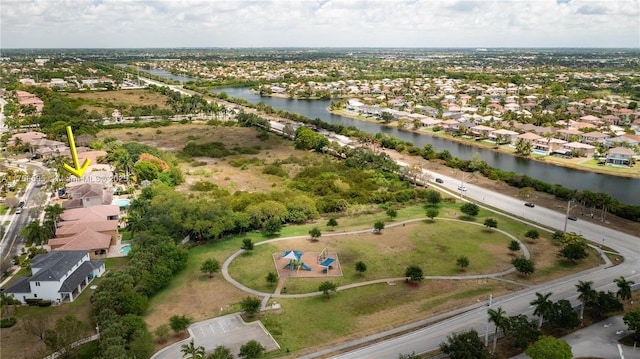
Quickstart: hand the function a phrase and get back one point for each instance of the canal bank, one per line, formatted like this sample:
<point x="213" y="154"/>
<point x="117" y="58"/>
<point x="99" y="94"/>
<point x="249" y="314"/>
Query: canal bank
<point x="618" y="187"/>
<point x="573" y="163"/>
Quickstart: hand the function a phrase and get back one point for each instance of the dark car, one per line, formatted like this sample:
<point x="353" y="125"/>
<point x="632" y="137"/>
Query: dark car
<point x="529" y="204"/>
<point x="439" y="180"/>
<point x="573" y="218"/>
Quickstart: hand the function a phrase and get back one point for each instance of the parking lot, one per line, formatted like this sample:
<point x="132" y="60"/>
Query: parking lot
<point x="229" y="330"/>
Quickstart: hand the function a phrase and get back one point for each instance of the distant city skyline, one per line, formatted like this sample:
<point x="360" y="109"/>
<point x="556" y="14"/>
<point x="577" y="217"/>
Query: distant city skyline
<point x="320" y="23"/>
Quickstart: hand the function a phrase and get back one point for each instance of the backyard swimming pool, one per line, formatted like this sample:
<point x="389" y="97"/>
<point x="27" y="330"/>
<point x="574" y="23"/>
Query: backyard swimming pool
<point x="125" y="249"/>
<point x="122" y="202"/>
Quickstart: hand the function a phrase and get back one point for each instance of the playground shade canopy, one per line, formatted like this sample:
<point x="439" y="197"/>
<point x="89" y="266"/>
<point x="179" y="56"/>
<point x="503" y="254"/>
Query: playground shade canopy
<point x="327" y="262"/>
<point x="292" y="255"/>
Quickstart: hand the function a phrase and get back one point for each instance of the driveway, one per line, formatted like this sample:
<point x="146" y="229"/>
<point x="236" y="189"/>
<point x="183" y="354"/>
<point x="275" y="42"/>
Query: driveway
<point x="229" y="330"/>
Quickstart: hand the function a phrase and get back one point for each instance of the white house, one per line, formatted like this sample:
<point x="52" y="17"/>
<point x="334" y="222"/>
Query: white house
<point x="57" y="276"/>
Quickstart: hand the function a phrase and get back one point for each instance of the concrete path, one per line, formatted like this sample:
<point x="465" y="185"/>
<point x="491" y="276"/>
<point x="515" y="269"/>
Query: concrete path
<point x="277" y="294"/>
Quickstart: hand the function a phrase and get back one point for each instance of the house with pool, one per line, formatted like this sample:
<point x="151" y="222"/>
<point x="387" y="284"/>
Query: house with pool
<point x="93" y="229"/>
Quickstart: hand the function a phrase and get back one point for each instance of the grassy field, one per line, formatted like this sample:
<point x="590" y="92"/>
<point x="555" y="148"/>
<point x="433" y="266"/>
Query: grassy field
<point x="104" y="102"/>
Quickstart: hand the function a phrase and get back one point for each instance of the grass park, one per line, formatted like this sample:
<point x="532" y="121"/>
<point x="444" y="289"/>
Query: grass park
<point x="432" y="245"/>
<point x="354" y="313"/>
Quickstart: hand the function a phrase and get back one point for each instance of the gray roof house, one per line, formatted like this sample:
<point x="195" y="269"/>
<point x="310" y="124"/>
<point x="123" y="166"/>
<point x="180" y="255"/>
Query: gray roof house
<point x="58" y="276"/>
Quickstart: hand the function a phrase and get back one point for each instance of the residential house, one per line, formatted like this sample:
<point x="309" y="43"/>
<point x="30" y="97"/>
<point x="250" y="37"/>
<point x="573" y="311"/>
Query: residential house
<point x="481" y="131"/>
<point x="529" y="137"/>
<point x="620" y="156"/>
<point x="93" y="236"/>
<point x="569" y="133"/>
<point x="594" y="137"/>
<point x="83" y="195"/>
<point x="503" y="136"/>
<point x="58" y="276"/>
<point x="581" y="149"/>
<point x="629" y="140"/>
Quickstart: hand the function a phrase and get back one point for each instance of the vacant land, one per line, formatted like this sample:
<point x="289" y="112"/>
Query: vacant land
<point x="104" y="102"/>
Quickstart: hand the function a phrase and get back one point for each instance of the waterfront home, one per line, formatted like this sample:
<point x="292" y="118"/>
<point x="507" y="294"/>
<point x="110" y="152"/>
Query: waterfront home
<point x="503" y="136"/>
<point x="529" y="137"/>
<point x="481" y="131"/>
<point x="581" y="149"/>
<point x="620" y="156"/>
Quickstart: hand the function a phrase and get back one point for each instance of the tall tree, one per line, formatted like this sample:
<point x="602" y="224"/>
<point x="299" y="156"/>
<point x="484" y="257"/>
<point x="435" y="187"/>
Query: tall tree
<point x="587" y="295"/>
<point x="544" y="307"/>
<point x="624" y="288"/>
<point x="465" y="345"/>
<point x="499" y="319"/>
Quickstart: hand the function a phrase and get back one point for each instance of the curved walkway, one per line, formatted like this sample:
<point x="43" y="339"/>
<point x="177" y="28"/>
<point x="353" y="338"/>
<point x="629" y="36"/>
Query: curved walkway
<point x="276" y="294"/>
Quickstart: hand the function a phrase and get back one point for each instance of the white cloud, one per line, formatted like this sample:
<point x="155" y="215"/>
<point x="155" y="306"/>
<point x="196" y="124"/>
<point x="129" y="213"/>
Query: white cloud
<point x="310" y="23"/>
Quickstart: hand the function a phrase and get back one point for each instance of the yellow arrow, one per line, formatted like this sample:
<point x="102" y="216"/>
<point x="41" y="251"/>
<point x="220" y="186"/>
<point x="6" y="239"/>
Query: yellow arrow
<point x="77" y="171"/>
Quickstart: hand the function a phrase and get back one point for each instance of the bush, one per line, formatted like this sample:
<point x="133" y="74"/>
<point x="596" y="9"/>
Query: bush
<point x="7" y="322"/>
<point x="33" y="302"/>
<point x="44" y="303"/>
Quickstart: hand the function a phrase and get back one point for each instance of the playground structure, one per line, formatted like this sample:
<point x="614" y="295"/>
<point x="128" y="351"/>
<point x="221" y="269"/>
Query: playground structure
<point x="295" y="261"/>
<point x="313" y="264"/>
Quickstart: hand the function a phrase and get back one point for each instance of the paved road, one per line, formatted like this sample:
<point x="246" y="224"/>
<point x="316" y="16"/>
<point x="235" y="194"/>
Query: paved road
<point x="429" y="338"/>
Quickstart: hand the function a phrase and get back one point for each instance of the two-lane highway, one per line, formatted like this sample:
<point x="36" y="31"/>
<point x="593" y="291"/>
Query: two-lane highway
<point x="429" y="338"/>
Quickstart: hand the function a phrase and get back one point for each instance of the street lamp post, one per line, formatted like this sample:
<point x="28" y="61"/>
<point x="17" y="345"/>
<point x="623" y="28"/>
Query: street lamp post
<point x="566" y="217"/>
<point x="486" y="332"/>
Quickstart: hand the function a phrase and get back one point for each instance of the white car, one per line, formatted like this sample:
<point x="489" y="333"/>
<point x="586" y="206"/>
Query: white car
<point x="462" y="188"/>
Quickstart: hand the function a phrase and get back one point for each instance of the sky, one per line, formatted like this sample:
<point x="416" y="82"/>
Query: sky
<point x="319" y="23"/>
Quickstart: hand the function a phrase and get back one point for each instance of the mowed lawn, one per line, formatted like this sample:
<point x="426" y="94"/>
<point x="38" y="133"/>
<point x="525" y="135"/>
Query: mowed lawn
<point x="433" y="246"/>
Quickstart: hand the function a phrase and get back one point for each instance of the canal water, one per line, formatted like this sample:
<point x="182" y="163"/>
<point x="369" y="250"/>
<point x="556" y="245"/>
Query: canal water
<point x="626" y="190"/>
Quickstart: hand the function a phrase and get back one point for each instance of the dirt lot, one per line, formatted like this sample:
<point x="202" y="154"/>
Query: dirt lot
<point x="104" y="102"/>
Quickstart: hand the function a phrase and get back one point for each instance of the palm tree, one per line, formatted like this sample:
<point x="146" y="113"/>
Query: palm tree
<point x="624" y="288"/>
<point x="135" y="223"/>
<point x="543" y="305"/>
<point x="499" y="318"/>
<point x="53" y="213"/>
<point x="191" y="351"/>
<point x="587" y="295"/>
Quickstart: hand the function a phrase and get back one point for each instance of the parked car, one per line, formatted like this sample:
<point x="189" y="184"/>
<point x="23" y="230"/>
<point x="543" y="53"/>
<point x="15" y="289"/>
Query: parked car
<point x="573" y="218"/>
<point x="529" y="204"/>
<point x="21" y="204"/>
<point x="19" y="210"/>
<point x="439" y="180"/>
<point x="462" y="188"/>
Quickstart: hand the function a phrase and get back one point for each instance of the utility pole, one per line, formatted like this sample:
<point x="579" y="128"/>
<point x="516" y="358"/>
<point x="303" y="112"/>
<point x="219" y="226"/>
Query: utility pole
<point x="486" y="332"/>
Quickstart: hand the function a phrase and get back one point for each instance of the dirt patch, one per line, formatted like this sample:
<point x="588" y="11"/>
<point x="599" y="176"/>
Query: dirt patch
<point x="104" y="102"/>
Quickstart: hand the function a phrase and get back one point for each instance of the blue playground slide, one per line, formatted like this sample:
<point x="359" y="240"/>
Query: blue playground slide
<point x="305" y="267"/>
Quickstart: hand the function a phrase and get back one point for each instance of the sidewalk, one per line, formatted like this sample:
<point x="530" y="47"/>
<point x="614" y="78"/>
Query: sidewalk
<point x="599" y="340"/>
